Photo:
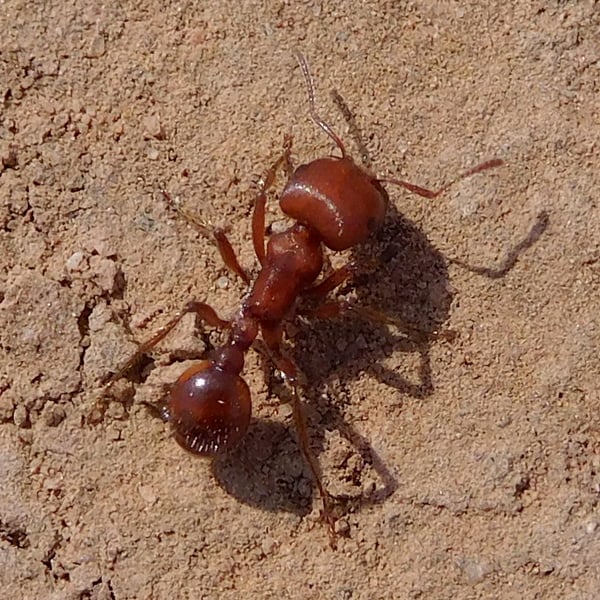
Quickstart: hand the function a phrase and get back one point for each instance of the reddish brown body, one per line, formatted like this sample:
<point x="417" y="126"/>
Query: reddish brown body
<point x="335" y="203"/>
<point x="293" y="262"/>
<point x="338" y="199"/>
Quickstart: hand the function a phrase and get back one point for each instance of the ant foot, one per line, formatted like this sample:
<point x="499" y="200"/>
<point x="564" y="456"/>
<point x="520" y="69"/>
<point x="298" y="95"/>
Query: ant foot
<point x="332" y="514"/>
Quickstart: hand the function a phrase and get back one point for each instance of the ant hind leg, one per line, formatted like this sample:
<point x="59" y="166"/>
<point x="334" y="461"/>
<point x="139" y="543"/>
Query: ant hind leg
<point x="430" y="194"/>
<point x="204" y="311"/>
<point x="286" y="365"/>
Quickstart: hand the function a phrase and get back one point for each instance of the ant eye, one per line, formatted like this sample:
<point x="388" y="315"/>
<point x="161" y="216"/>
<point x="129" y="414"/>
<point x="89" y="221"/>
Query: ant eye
<point x="209" y="409"/>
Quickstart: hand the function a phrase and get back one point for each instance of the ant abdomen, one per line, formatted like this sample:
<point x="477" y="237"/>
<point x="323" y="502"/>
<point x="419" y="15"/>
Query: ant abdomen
<point x="209" y="409"/>
<point x="337" y="198"/>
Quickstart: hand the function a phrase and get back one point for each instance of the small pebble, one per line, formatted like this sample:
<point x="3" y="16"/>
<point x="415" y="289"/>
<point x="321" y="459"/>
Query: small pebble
<point x="223" y="282"/>
<point x="75" y="262"/>
<point x="147" y="493"/>
<point x="20" y="416"/>
<point x="7" y="407"/>
<point x="268" y="545"/>
<point x="591" y="527"/>
<point x="53" y="415"/>
<point x="97" y="47"/>
<point x="153" y="128"/>
<point x="342" y="527"/>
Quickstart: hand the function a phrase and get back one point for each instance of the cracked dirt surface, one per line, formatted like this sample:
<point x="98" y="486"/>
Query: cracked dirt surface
<point x="474" y="461"/>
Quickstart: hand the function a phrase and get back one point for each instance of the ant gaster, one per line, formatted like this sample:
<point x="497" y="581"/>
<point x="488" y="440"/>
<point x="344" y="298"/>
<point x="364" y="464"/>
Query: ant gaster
<point x="334" y="203"/>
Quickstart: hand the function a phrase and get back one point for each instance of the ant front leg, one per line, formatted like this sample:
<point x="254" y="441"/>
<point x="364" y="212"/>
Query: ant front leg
<point x="204" y="311"/>
<point x="272" y="337"/>
<point x="218" y="234"/>
<point x="264" y="183"/>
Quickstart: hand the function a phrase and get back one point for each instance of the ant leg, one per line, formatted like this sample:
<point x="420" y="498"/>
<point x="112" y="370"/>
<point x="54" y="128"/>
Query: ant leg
<point x="204" y="311"/>
<point x="421" y="191"/>
<point x="217" y="233"/>
<point x="337" y="308"/>
<point x="333" y="280"/>
<point x="264" y="183"/>
<point x="272" y="337"/>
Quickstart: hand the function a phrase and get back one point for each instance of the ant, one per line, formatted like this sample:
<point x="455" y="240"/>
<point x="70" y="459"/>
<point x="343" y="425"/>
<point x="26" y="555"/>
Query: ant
<point x="334" y="203"/>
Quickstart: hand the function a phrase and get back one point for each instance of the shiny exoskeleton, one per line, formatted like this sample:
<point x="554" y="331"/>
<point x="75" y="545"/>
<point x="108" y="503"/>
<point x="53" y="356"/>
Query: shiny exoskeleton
<point x="334" y="203"/>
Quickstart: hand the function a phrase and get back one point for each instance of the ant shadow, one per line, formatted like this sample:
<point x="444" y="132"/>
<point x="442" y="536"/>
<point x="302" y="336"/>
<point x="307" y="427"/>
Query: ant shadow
<point x="405" y="290"/>
<point x="408" y="284"/>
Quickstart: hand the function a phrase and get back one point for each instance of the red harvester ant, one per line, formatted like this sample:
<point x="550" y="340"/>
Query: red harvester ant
<point x="335" y="203"/>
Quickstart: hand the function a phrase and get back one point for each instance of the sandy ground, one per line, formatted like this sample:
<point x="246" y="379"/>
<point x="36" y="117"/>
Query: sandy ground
<point x="474" y="462"/>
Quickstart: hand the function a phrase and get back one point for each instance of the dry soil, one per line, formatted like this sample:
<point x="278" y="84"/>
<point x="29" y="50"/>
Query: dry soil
<point x="473" y="457"/>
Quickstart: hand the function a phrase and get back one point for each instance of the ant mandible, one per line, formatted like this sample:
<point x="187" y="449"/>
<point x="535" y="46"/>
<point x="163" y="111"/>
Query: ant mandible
<point x="335" y="203"/>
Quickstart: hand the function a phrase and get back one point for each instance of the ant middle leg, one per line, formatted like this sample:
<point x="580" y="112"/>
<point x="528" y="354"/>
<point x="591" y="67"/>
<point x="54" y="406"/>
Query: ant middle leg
<point x="264" y="183"/>
<point x="218" y="234"/>
<point x="333" y="309"/>
<point x="333" y="280"/>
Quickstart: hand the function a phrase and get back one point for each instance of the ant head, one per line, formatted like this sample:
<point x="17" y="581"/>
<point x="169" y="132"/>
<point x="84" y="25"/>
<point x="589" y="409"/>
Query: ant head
<point x="209" y="409"/>
<point x="333" y="196"/>
<point x="338" y="199"/>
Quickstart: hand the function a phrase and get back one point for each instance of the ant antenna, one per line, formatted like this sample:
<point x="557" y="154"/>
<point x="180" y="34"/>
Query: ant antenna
<point x="311" y="102"/>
